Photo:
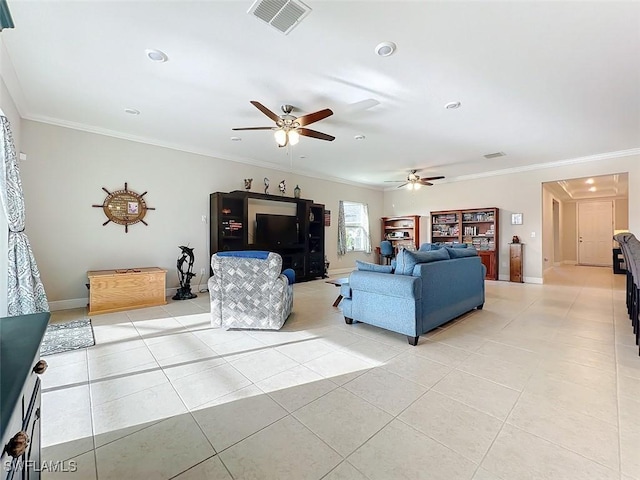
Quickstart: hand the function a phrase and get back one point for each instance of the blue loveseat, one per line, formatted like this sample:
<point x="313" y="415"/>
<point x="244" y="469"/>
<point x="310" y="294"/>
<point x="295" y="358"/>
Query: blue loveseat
<point x="425" y="290"/>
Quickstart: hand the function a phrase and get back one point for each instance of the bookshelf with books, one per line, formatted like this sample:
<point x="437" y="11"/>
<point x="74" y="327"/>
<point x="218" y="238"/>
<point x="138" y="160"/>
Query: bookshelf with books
<point x="477" y="227"/>
<point x="402" y="231"/>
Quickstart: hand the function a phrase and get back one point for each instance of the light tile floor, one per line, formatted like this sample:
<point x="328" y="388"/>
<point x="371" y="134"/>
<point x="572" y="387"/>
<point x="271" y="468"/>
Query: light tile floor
<point x="544" y="383"/>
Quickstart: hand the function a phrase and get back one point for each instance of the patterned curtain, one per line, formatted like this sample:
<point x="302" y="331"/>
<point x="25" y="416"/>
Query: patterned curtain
<point x="342" y="230"/>
<point x="365" y="225"/>
<point x="25" y="290"/>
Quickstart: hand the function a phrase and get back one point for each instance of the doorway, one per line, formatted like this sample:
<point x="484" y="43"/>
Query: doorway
<point x="595" y="230"/>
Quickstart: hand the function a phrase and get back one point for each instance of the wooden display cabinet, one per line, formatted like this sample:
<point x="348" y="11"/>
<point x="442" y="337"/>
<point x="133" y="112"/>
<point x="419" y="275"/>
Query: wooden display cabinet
<point x="402" y="231"/>
<point x="477" y="227"/>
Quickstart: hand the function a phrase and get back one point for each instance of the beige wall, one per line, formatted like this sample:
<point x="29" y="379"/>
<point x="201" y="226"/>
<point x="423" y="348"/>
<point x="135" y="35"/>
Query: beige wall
<point x="570" y="232"/>
<point x="621" y="212"/>
<point x="519" y="192"/>
<point x="67" y="169"/>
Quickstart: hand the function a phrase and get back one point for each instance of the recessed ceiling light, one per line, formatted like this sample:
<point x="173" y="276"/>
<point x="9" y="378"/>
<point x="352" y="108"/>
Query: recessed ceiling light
<point x="156" y="55"/>
<point x="385" y="49"/>
<point x="236" y="139"/>
<point x="592" y="189"/>
<point x="359" y="137"/>
<point x="132" y="111"/>
<point x="589" y="181"/>
<point x="452" y="105"/>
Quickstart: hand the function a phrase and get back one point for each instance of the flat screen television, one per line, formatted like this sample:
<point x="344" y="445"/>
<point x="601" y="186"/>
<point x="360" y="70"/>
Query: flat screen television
<point x="276" y="230"/>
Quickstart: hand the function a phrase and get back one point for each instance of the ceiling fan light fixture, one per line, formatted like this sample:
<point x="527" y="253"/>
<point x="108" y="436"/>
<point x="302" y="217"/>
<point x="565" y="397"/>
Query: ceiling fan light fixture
<point x="417" y="186"/>
<point x="294" y="137"/>
<point x="281" y="137"/>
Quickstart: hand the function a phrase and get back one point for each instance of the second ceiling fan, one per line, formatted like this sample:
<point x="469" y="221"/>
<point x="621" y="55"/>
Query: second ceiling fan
<point x="289" y="127"/>
<point x="414" y="181"/>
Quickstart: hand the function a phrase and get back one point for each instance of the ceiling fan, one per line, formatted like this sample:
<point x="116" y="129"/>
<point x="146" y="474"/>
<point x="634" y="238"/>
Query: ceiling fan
<point x="288" y="127"/>
<point x="414" y="181"/>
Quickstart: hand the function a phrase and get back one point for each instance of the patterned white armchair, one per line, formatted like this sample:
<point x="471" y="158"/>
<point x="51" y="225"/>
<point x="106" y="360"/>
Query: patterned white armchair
<point x="247" y="290"/>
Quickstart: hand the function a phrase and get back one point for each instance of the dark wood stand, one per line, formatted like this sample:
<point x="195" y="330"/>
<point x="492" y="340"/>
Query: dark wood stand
<point x="516" y="261"/>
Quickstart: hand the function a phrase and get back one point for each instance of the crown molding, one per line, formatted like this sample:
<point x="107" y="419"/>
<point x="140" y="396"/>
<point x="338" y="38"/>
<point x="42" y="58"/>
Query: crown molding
<point x="540" y="166"/>
<point x="190" y="149"/>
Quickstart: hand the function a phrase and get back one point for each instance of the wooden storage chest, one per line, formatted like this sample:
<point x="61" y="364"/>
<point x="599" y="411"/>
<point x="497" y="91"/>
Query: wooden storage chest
<point x="117" y="290"/>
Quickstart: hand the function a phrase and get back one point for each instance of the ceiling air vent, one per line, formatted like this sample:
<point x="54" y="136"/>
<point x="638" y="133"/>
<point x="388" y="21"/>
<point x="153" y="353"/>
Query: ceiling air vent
<point x="494" y="155"/>
<point x="282" y="15"/>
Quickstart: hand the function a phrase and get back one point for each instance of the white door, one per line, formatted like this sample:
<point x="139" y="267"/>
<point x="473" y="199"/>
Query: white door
<point x="595" y="231"/>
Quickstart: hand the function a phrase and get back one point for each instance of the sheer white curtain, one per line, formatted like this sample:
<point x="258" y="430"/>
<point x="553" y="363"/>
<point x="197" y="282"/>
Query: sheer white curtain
<point x="342" y="230"/>
<point x="25" y="292"/>
<point x="367" y="230"/>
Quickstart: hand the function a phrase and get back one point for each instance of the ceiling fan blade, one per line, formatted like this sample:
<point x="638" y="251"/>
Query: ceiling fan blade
<point x="400" y="186"/>
<point x="266" y="111"/>
<point x="431" y="178"/>
<point x="394" y="181"/>
<point x="422" y="182"/>
<point x="253" y="128"/>
<point x="312" y="133"/>
<point x="314" y="117"/>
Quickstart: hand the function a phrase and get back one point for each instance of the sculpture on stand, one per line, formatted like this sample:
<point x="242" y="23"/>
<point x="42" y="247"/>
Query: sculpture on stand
<point x="185" y="274"/>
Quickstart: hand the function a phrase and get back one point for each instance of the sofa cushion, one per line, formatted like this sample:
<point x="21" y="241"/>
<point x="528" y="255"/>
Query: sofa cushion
<point x="407" y="260"/>
<point x="458" y="245"/>
<point x="427" y="247"/>
<point x="373" y="267"/>
<point x="462" y="252"/>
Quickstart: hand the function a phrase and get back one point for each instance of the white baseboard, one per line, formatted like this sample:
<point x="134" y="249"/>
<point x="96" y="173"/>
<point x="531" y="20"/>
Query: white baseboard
<point x="83" y="302"/>
<point x="67" y="304"/>
<point x="340" y="271"/>
<point x="507" y="278"/>
<point x="537" y="280"/>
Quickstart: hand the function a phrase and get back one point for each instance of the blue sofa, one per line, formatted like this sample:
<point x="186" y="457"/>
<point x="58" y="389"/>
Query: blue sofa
<point x="426" y="290"/>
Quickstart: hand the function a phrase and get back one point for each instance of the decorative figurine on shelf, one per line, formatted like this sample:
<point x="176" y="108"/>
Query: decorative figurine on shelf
<point x="282" y="187"/>
<point x="247" y="183"/>
<point x="296" y="192"/>
<point x="185" y="274"/>
<point x="515" y="239"/>
<point x="266" y="186"/>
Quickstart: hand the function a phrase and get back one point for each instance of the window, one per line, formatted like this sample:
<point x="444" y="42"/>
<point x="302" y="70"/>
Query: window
<point x="357" y="226"/>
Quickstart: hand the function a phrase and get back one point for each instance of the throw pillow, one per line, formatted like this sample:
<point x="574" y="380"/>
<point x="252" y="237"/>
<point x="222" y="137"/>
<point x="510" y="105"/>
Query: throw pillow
<point x="406" y="260"/>
<point x="462" y="252"/>
<point x="373" y="267"/>
<point x="290" y="274"/>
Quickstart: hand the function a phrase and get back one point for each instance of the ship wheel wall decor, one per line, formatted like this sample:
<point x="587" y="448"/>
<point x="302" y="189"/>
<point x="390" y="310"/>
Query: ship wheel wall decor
<point x="124" y="207"/>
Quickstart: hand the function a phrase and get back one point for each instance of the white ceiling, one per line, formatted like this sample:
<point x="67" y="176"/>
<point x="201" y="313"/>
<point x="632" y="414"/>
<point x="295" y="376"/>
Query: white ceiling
<point x="540" y="81"/>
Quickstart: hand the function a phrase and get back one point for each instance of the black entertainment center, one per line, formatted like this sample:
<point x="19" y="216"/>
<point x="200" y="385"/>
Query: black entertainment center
<point x="298" y="236"/>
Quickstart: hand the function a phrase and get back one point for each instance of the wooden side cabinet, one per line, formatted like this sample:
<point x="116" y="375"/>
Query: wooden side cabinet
<point x="515" y="262"/>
